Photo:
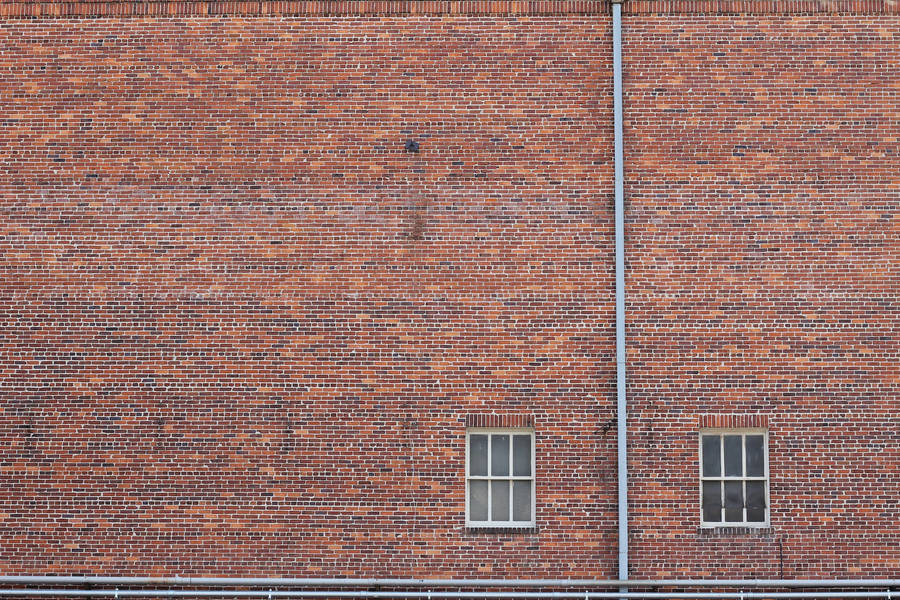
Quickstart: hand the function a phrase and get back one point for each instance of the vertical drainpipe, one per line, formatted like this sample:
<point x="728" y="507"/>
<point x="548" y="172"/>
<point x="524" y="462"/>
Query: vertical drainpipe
<point x="621" y="406"/>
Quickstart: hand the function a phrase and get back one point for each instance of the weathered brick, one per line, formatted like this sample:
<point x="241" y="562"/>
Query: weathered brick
<point x="245" y="330"/>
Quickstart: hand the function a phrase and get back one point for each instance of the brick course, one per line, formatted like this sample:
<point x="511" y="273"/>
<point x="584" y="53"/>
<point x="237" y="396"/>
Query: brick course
<point x="246" y="331"/>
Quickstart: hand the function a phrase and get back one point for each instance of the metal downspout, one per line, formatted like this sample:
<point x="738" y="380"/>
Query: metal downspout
<point x="621" y="405"/>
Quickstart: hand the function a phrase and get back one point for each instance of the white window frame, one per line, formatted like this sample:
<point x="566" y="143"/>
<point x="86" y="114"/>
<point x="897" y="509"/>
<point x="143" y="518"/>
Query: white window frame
<point x="511" y="431"/>
<point x="744" y="478"/>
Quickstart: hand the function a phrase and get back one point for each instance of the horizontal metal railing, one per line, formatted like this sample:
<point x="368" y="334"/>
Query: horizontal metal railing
<point x="437" y="589"/>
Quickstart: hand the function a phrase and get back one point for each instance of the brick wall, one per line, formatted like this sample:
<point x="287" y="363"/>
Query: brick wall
<point x="245" y="330"/>
<point x="764" y="271"/>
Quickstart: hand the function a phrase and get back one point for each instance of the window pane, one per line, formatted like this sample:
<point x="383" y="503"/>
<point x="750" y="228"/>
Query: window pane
<point x="734" y="500"/>
<point x="477" y="455"/>
<point x="712" y="501"/>
<point x="499" y="455"/>
<point x="500" y="500"/>
<point x="733" y="459"/>
<point x="755" y="461"/>
<point x="521" y="501"/>
<point x="712" y="466"/>
<point x="756" y="501"/>
<point x="522" y="455"/>
<point x="478" y="506"/>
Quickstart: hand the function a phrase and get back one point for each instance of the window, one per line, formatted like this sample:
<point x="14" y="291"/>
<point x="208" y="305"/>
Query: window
<point x="500" y="478"/>
<point x="734" y="478"/>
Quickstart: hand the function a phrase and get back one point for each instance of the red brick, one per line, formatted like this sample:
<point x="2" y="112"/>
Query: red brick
<point x="245" y="331"/>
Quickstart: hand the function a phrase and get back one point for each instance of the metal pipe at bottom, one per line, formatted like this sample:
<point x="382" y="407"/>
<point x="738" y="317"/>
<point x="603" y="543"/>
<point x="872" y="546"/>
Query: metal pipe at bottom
<point x="432" y="594"/>
<point x="99" y="580"/>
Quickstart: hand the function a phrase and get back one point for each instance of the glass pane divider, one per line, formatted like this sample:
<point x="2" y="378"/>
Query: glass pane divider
<point x="744" y="486"/>
<point x="722" y="491"/>
<point x="722" y="469"/>
<point x="490" y="504"/>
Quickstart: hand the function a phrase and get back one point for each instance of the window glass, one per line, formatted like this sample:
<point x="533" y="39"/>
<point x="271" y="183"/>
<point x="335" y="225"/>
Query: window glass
<point x="734" y="501"/>
<point x="522" y="500"/>
<point x="500" y="500"/>
<point x="733" y="456"/>
<point x="522" y="455"/>
<point x="478" y="500"/>
<point x="712" y="501"/>
<point x="756" y="501"/>
<point x="499" y="455"/>
<point x="478" y="454"/>
<point x="712" y="460"/>
<point x="755" y="459"/>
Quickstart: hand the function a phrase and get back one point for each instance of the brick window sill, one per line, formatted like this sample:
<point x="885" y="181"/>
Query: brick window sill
<point x="501" y="530"/>
<point x="729" y="531"/>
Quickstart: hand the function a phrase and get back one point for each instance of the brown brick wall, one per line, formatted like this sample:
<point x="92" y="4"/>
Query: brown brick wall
<point x="383" y="8"/>
<point x="764" y="269"/>
<point x="245" y="331"/>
